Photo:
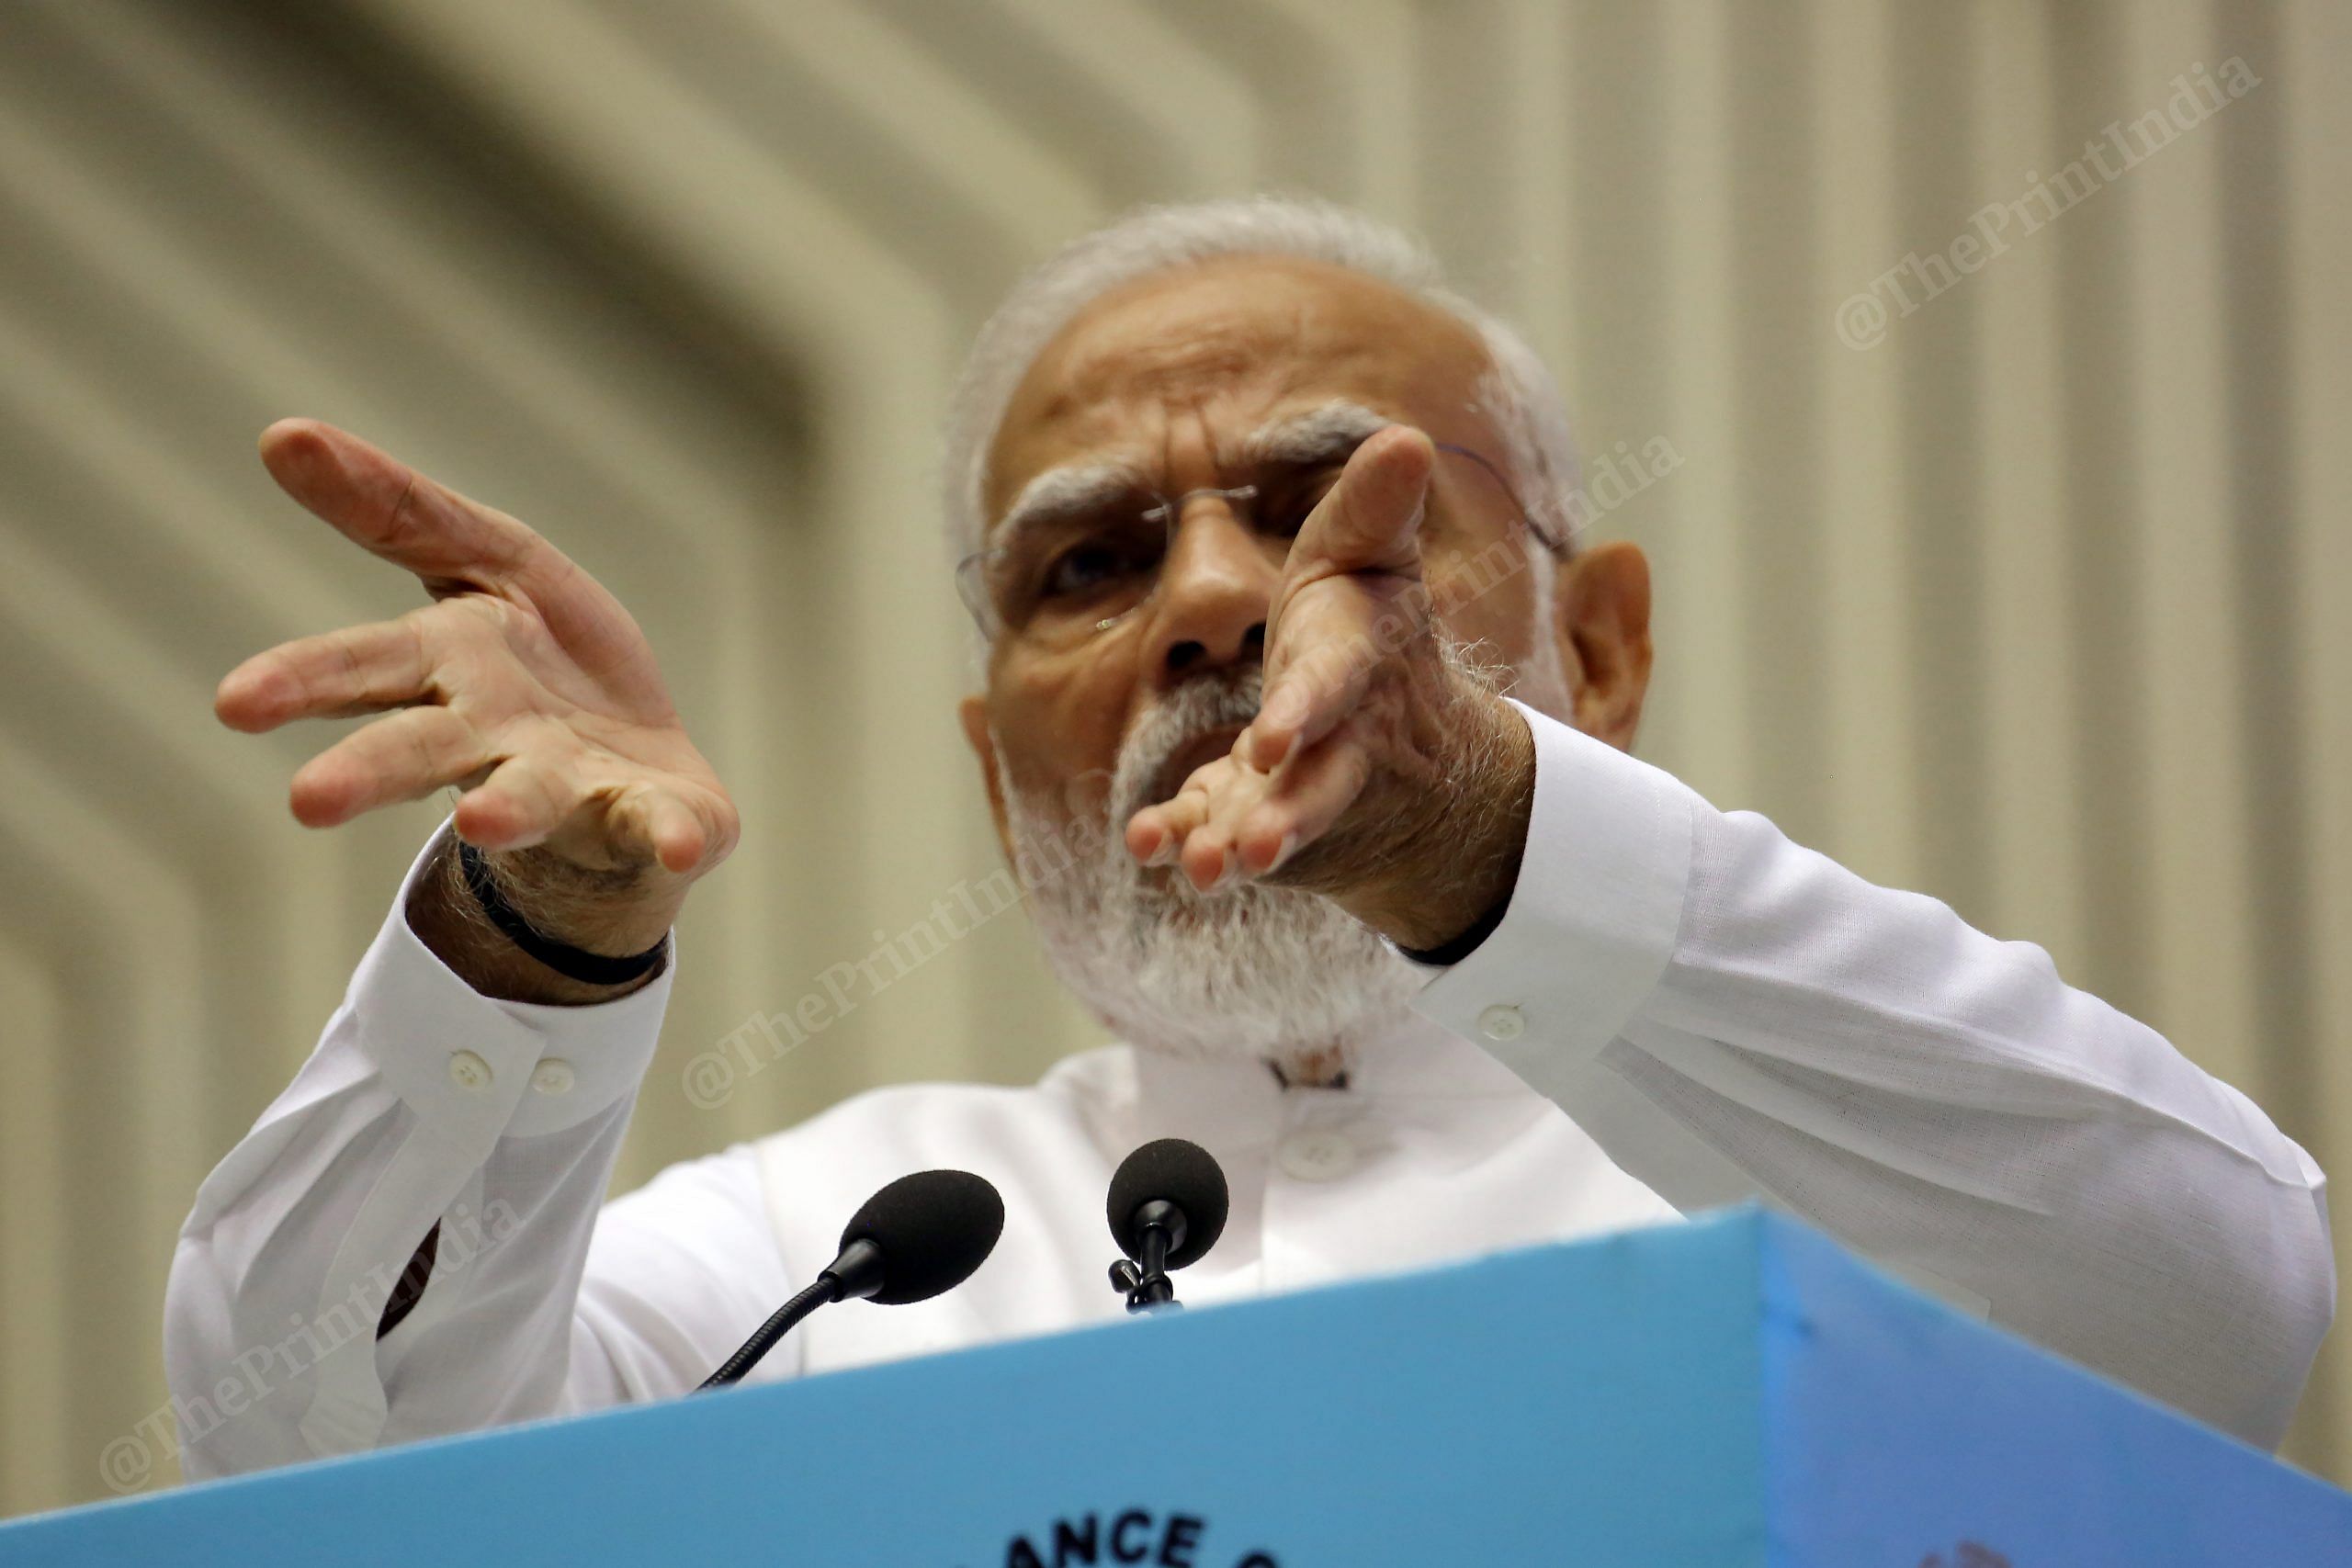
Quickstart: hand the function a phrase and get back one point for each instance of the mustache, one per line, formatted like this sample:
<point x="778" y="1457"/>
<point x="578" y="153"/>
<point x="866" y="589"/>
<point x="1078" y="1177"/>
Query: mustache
<point x="1204" y="704"/>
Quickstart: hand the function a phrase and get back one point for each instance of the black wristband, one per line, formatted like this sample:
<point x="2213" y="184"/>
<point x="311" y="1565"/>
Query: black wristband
<point x="1463" y="946"/>
<point x="574" y="963"/>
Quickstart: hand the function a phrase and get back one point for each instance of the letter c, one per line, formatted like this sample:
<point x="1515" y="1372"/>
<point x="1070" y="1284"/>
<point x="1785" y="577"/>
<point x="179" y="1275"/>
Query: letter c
<point x="1133" y="1520"/>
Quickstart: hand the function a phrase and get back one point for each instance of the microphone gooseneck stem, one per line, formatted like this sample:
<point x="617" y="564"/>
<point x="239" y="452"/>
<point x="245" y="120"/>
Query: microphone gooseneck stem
<point x="1153" y="1289"/>
<point x="1160" y="1228"/>
<point x="826" y="1290"/>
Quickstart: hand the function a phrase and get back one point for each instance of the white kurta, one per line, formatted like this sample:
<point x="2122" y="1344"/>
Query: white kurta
<point x="1682" y="1009"/>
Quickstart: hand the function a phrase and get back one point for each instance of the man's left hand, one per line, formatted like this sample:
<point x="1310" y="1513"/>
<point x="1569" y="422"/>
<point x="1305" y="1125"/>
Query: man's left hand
<point x="1380" y="772"/>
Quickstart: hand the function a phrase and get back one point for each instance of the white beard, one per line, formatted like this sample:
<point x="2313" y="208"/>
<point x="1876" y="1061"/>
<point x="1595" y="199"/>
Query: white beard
<point x="1271" y="974"/>
<point x="1256" y="971"/>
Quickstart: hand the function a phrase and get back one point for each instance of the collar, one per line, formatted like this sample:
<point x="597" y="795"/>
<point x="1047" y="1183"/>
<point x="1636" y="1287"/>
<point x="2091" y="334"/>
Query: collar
<point x="1411" y="1057"/>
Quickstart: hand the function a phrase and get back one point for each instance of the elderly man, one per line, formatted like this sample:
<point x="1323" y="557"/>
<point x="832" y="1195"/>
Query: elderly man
<point x="1304" y="717"/>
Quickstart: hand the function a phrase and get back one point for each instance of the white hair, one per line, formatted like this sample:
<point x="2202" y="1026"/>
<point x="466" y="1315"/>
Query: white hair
<point x="1519" y="394"/>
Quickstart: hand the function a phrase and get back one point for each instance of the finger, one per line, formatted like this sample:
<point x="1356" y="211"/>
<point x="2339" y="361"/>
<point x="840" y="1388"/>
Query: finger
<point x="1334" y="637"/>
<point x="1155" y="834"/>
<point x="332" y="675"/>
<point x="675" y="830"/>
<point x="387" y="507"/>
<point x="454" y="545"/>
<point x="1308" y="798"/>
<point x="1208" y="854"/>
<point x="1371" y="519"/>
<point x="527" y="801"/>
<point x="523" y="802"/>
<point x="404" y="757"/>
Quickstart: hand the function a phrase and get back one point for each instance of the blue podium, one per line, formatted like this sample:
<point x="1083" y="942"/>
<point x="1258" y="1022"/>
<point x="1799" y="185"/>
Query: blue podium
<point x="1734" y="1391"/>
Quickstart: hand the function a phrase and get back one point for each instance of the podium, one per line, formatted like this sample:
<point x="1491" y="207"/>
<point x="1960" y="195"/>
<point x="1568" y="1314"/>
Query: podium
<point x="1733" y="1392"/>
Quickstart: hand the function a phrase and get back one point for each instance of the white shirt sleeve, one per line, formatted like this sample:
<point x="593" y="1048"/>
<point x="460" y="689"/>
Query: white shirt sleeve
<point x="427" y="1104"/>
<point x="1732" y="1016"/>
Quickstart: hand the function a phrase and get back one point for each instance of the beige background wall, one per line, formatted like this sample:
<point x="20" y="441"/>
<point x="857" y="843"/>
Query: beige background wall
<point x="2043" y="604"/>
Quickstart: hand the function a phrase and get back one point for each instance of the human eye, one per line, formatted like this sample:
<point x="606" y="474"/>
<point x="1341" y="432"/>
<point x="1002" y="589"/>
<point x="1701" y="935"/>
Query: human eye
<point x="1085" y="567"/>
<point x="1101" y="555"/>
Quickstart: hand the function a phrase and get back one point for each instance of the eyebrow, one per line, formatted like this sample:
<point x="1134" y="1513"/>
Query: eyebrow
<point x="1324" y="434"/>
<point x="1319" y="435"/>
<point x="1057" y="495"/>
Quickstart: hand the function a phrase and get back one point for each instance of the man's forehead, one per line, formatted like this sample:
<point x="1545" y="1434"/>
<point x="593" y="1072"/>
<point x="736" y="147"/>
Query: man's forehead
<point x="1231" y="346"/>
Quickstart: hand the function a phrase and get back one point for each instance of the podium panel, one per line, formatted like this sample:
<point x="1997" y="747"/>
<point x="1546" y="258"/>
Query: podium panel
<point x="1728" y="1393"/>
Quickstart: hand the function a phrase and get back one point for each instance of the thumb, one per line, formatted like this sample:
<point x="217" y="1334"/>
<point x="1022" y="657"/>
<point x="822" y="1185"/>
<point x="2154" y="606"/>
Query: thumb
<point x="1371" y="519"/>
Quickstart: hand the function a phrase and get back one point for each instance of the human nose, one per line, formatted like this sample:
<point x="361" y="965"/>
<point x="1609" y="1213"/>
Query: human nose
<point x="1215" y="586"/>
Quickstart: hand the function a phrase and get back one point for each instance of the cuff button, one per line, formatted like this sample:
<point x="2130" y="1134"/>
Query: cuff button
<point x="1502" y="1023"/>
<point x="552" y="1076"/>
<point x="468" y="1072"/>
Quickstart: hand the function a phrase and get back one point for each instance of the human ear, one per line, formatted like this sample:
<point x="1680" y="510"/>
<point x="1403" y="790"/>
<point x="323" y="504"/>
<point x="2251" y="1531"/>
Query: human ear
<point x="1603" y="609"/>
<point x="973" y="712"/>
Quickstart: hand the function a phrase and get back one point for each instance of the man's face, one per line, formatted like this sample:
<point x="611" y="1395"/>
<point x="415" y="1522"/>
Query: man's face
<point x="1129" y="647"/>
<point x="1240" y="371"/>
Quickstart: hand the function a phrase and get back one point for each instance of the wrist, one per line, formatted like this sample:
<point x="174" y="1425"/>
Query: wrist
<point x="575" y="963"/>
<point x="1462" y="846"/>
<point x="600" y="912"/>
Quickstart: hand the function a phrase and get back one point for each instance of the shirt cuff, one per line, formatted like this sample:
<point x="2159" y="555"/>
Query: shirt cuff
<point x="1593" y="919"/>
<point x="476" y="1068"/>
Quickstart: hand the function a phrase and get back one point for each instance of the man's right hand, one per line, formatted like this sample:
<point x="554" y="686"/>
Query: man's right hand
<point x="526" y="684"/>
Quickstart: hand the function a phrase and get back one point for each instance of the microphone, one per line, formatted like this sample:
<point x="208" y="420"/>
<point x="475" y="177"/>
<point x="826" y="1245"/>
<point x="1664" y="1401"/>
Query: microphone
<point x="921" y="1236"/>
<point x="1167" y="1209"/>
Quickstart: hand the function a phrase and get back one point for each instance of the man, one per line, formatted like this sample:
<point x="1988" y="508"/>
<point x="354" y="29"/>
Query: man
<point x="1260" y="526"/>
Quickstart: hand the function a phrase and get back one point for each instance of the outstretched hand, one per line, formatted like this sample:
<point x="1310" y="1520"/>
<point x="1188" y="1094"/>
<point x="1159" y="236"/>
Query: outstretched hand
<point x="524" y="684"/>
<point x="1379" y="772"/>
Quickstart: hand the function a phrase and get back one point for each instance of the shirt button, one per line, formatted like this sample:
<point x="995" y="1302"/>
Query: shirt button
<point x="1318" y="1156"/>
<point x="469" y="1071"/>
<point x="552" y="1076"/>
<point x="1501" y="1023"/>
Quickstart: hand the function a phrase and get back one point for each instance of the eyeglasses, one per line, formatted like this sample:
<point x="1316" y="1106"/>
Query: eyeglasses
<point x="1070" y="573"/>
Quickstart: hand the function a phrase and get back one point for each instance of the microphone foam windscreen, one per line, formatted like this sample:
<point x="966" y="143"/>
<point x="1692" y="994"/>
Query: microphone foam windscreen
<point x="1175" y="1171"/>
<point x="933" y="1228"/>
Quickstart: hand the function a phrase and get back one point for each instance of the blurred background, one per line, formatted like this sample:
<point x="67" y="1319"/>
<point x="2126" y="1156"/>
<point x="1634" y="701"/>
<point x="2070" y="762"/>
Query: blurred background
<point x="2042" y="604"/>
